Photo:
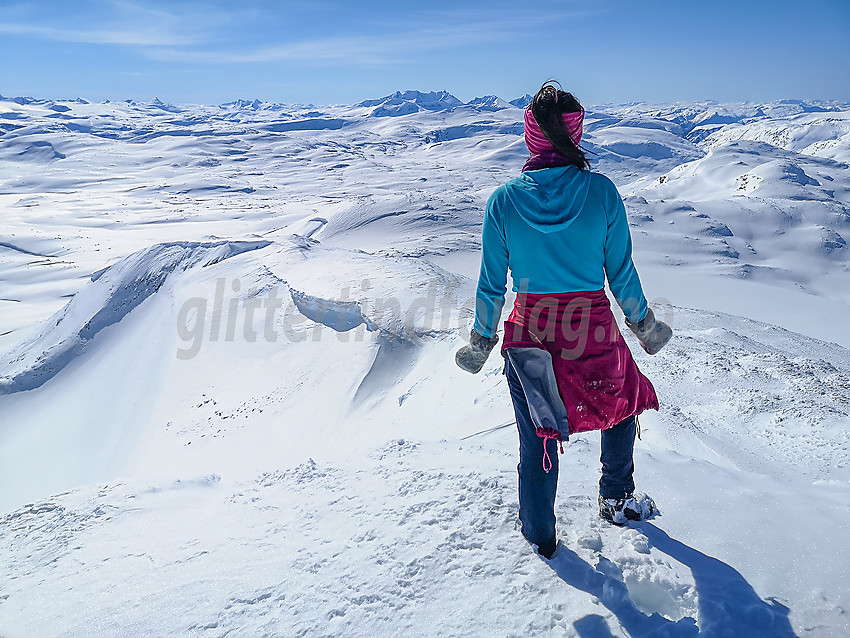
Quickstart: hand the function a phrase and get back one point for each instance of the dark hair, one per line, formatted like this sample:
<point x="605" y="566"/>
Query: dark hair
<point x="547" y="107"/>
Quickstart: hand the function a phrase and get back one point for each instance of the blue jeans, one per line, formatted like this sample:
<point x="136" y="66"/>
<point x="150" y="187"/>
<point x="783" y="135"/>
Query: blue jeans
<point x="537" y="488"/>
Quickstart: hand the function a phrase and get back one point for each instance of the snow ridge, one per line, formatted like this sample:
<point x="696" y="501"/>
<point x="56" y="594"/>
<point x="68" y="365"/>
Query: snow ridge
<point x="113" y="294"/>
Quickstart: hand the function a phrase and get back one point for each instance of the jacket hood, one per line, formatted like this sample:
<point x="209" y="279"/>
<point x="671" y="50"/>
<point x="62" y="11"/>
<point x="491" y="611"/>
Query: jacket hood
<point x="550" y="199"/>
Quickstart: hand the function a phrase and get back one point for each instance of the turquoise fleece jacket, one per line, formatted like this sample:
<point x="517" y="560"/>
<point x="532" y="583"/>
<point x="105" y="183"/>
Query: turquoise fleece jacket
<point x="558" y="230"/>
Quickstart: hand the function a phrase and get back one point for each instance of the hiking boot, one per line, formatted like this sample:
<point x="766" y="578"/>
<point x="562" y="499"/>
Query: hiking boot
<point x="634" y="507"/>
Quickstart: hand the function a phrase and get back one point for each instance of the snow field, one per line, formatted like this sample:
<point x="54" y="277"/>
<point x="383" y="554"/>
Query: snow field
<point x="173" y="465"/>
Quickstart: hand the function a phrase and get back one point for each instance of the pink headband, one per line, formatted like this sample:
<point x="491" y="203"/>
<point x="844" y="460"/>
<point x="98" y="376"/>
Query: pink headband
<point x="537" y="142"/>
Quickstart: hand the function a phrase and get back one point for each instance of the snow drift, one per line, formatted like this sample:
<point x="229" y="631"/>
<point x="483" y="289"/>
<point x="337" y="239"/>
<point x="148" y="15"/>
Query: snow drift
<point x="260" y="373"/>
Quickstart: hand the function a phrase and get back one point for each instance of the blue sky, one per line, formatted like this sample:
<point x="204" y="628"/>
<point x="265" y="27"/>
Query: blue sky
<point x="343" y="52"/>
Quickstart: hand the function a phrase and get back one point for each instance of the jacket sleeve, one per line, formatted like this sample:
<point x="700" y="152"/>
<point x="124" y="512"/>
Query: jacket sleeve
<point x="493" y="278"/>
<point x="619" y="267"/>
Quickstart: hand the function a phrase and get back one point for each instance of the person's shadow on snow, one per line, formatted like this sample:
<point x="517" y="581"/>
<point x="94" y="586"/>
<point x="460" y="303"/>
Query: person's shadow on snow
<point x="728" y="605"/>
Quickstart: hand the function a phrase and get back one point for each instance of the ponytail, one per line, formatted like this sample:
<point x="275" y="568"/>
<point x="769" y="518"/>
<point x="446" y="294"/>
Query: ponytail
<point x="548" y="107"/>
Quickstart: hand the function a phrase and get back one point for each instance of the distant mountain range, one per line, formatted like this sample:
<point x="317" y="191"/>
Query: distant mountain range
<point x="704" y="112"/>
<point x="407" y="102"/>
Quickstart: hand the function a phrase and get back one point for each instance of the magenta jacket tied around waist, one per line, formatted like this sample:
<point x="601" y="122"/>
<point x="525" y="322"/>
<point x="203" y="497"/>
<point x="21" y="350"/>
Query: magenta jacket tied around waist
<point x="597" y="378"/>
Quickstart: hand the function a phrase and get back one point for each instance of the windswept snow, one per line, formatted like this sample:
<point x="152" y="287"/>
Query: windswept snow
<point x="229" y="406"/>
<point x="114" y="293"/>
<point x="384" y="547"/>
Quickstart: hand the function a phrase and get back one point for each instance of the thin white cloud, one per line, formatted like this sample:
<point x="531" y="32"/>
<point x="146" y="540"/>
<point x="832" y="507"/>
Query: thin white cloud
<point x="177" y="34"/>
<point x="391" y="45"/>
<point x="367" y="49"/>
<point x="119" y="22"/>
<point x="142" y="37"/>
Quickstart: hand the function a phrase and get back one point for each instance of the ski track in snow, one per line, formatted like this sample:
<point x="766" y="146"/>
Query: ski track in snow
<point x="344" y="478"/>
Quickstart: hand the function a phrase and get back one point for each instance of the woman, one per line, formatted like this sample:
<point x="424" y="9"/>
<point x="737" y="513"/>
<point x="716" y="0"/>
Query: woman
<point x="561" y="230"/>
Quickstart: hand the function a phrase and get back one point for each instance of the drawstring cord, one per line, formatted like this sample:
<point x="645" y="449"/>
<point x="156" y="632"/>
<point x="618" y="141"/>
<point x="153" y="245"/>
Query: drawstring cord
<point x="547" y="461"/>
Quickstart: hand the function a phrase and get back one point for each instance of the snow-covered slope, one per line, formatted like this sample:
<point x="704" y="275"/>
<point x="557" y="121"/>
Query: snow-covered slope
<point x="228" y="401"/>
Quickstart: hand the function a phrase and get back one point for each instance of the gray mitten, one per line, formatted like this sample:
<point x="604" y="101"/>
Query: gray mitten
<point x="473" y="357"/>
<point x="652" y="334"/>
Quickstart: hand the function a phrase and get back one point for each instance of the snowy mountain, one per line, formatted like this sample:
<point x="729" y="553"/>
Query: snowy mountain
<point x="522" y="102"/>
<point x="489" y="103"/>
<point x="407" y="102"/>
<point x="228" y="399"/>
